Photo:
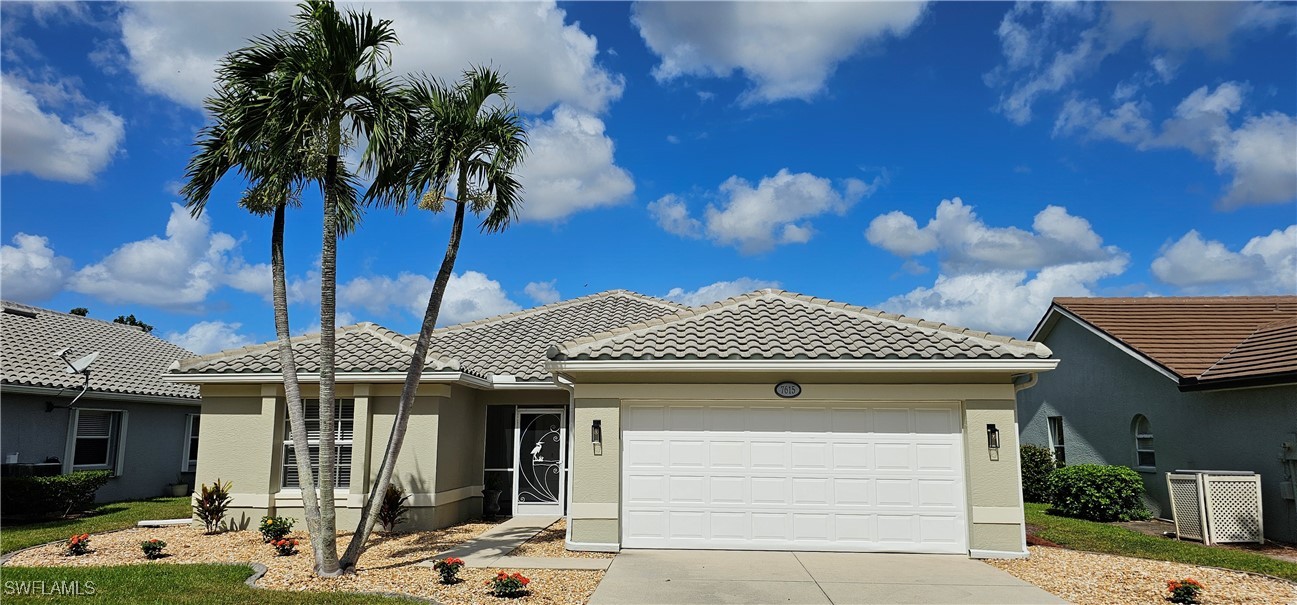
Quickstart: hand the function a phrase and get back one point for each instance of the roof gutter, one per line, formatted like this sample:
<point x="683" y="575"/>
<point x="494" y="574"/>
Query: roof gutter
<point x="341" y="377"/>
<point x="1193" y="384"/>
<point x="102" y="395"/>
<point x="802" y="365"/>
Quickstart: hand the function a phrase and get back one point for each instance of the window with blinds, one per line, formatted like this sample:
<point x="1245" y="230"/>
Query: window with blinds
<point x="96" y="435"/>
<point x="190" y="463"/>
<point x="344" y="422"/>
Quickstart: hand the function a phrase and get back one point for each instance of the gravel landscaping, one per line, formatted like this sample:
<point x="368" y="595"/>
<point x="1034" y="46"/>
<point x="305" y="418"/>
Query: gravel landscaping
<point x="388" y="565"/>
<point x="1095" y="579"/>
<point x="549" y="543"/>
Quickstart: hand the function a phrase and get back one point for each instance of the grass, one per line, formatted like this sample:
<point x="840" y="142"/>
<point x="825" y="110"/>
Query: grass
<point x="1079" y="534"/>
<point x="105" y="517"/>
<point x="170" y="584"/>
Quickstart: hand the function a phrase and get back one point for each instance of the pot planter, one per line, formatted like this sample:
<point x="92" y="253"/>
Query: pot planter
<point x="491" y="502"/>
<point x="178" y="489"/>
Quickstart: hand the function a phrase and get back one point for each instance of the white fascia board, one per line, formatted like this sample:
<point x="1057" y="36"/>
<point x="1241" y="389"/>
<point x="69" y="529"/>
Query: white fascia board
<point x="1123" y="347"/>
<point x="102" y="395"/>
<point x="766" y="365"/>
<point x="359" y="377"/>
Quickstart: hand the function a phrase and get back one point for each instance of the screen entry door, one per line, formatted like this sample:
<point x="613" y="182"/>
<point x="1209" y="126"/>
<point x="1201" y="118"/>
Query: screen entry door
<point x="541" y="446"/>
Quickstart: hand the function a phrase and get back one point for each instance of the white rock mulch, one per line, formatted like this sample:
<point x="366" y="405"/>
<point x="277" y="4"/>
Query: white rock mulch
<point x="550" y="543"/>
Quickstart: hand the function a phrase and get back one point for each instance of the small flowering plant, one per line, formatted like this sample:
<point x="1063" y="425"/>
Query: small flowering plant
<point x="1184" y="591"/>
<point x="275" y="528"/>
<point x="449" y="569"/>
<point x="77" y="545"/>
<point x="153" y="548"/>
<point x="285" y="547"/>
<point x="505" y="585"/>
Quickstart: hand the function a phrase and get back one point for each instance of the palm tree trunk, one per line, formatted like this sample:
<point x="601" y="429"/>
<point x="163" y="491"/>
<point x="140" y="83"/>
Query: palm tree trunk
<point x="411" y="387"/>
<point x="292" y="391"/>
<point x="327" y="562"/>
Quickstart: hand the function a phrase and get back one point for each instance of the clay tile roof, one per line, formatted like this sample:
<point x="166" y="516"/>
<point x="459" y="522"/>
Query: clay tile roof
<point x="1200" y="338"/>
<point x="364" y="347"/>
<point x="779" y="325"/>
<point x="130" y="361"/>
<point x="516" y="343"/>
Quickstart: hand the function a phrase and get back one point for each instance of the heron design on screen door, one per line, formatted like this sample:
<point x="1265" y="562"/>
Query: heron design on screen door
<point x="539" y="481"/>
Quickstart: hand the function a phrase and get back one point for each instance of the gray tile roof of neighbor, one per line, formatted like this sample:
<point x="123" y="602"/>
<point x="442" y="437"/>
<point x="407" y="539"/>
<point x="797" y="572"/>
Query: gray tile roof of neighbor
<point x="363" y="347"/>
<point x="130" y="361"/>
<point x="773" y="324"/>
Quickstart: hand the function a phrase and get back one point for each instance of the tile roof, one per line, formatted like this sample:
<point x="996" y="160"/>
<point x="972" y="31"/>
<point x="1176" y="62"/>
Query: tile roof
<point x="1200" y="338"/>
<point x="773" y="324"/>
<point x="130" y="361"/>
<point x="363" y="347"/>
<point x="516" y="343"/>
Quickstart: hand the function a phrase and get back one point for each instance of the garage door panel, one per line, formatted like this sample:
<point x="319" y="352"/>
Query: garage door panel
<point x="851" y="477"/>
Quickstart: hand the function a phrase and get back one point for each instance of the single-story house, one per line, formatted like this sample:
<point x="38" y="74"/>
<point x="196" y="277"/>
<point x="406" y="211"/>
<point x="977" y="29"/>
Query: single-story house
<point x="125" y="419"/>
<point x="1164" y="384"/>
<point x="770" y="420"/>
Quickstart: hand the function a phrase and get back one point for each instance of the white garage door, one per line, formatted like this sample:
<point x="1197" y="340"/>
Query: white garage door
<point x="840" y="477"/>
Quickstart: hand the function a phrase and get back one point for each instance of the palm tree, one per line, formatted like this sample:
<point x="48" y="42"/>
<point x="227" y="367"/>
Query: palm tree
<point x="451" y="136"/>
<point x="324" y="79"/>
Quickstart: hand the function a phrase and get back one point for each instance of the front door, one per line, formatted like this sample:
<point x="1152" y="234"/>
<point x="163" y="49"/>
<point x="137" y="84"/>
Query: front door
<point x="539" y="445"/>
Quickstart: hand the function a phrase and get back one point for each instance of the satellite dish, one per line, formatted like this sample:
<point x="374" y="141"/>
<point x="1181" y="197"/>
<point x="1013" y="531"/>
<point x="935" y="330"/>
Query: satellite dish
<point x="79" y="366"/>
<point x="62" y="352"/>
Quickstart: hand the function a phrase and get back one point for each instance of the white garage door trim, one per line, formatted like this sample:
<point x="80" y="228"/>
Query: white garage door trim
<point x="821" y="476"/>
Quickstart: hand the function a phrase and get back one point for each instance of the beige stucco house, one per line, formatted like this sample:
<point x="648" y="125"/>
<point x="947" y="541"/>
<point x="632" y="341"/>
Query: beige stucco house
<point x="770" y="421"/>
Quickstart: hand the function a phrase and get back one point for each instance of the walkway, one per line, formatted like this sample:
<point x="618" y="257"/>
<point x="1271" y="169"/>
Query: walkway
<point x="492" y="548"/>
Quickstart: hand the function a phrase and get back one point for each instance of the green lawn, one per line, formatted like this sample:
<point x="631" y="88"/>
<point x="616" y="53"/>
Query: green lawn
<point x="105" y="517"/>
<point x="1102" y="537"/>
<point x="170" y="584"/>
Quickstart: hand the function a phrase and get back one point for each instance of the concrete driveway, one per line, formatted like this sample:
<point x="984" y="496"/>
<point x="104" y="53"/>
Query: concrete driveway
<point x="663" y="577"/>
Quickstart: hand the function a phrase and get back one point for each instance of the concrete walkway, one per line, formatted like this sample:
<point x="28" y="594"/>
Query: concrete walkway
<point x="492" y="548"/>
<point x="666" y="577"/>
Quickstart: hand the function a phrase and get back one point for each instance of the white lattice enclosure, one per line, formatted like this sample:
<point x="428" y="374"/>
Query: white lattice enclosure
<point x="1216" y="506"/>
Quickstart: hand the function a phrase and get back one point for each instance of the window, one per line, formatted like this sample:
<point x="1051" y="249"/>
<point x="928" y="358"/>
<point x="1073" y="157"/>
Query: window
<point x="1056" y="438"/>
<point x="189" y="462"/>
<point x="97" y="437"/>
<point x="1143" y="443"/>
<point x="344" y="420"/>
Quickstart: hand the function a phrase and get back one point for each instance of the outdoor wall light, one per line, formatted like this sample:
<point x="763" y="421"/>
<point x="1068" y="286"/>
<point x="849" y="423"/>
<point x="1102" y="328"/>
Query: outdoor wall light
<point x="596" y="437"/>
<point x="992" y="437"/>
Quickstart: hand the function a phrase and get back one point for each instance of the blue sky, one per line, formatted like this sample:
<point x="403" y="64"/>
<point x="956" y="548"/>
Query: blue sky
<point x="964" y="162"/>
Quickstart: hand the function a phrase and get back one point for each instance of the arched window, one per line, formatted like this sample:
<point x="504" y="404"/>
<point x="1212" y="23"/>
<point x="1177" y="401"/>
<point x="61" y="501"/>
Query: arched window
<point x="1143" y="442"/>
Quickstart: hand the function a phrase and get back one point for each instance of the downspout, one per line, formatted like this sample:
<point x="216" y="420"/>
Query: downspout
<point x="566" y="384"/>
<point x="1032" y="379"/>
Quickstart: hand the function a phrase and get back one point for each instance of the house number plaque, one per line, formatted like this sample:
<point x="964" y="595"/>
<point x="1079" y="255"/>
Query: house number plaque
<point x="788" y="390"/>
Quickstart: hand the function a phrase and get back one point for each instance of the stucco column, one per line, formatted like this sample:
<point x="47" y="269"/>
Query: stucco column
<point x="360" y="437"/>
<point x="596" y="475"/>
<point x="996" y="524"/>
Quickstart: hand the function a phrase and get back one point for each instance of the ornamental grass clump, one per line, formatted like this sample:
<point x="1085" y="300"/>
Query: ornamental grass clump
<point x="153" y="548"/>
<point x="275" y="528"/>
<point x="449" y="569"/>
<point x="1184" y="591"/>
<point x="77" y="545"/>
<point x="285" y="547"/>
<point x="508" y="586"/>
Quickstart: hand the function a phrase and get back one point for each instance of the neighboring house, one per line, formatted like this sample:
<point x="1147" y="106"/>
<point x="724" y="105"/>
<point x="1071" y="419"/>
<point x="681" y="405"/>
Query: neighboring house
<point x="1161" y="384"/>
<point x="652" y="425"/>
<point x="128" y="420"/>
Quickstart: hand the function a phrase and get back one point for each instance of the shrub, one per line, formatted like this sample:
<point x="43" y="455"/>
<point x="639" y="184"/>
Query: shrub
<point x="77" y="545"/>
<point x="393" y="509"/>
<point x="505" y="585"/>
<point x="153" y="548"/>
<point x="275" y="528"/>
<point x="58" y="495"/>
<point x="285" y="547"/>
<point x="449" y="569"/>
<point x="1097" y="492"/>
<point x="210" y="504"/>
<point x="1037" y="462"/>
<point x="1184" y="591"/>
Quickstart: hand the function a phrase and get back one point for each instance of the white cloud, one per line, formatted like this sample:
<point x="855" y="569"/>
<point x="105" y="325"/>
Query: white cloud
<point x="209" y="337"/>
<point x="720" y="290"/>
<point x="756" y="219"/>
<point x="570" y="167"/>
<point x="469" y="296"/>
<point x="785" y="50"/>
<point x="543" y="292"/>
<point x="29" y="269"/>
<point x="174" y="48"/>
<point x="52" y="132"/>
<point x="1259" y="157"/>
<point x="966" y="244"/>
<point x="1266" y="264"/>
